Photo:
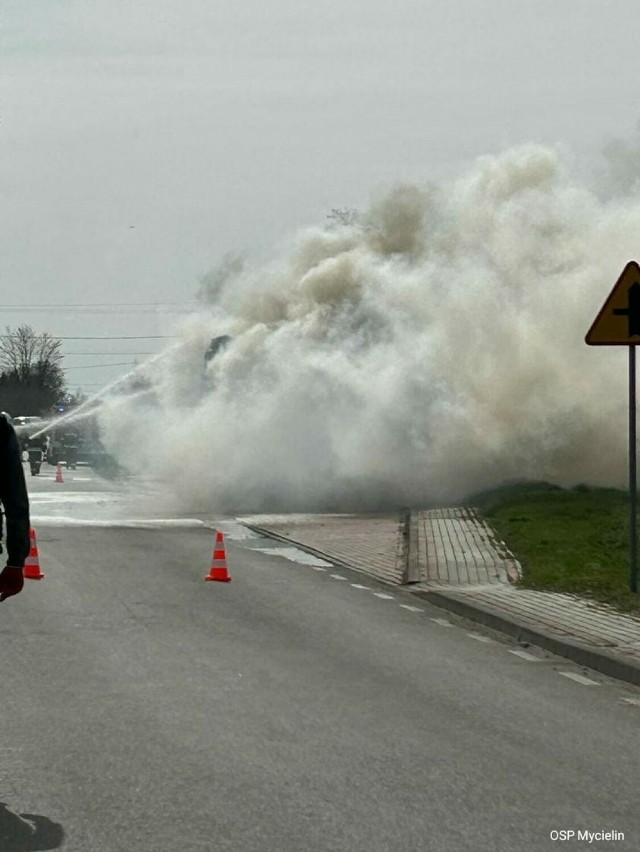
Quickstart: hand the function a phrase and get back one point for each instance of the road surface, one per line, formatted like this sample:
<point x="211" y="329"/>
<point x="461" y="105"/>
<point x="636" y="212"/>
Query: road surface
<point x="299" y="707"/>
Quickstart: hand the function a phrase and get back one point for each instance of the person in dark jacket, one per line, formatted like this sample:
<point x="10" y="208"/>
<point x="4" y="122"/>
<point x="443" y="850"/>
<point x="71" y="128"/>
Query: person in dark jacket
<point x="15" y="504"/>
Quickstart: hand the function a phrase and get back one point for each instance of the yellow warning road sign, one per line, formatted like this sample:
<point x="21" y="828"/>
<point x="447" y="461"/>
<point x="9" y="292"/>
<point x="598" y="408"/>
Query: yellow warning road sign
<point x="618" y="323"/>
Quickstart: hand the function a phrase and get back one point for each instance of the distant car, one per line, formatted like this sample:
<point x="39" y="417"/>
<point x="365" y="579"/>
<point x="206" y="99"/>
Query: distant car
<point x="24" y="420"/>
<point x="26" y="425"/>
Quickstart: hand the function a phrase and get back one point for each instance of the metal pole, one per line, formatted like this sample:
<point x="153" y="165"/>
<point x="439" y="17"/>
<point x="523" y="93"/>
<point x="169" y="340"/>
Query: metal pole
<point x="633" y="585"/>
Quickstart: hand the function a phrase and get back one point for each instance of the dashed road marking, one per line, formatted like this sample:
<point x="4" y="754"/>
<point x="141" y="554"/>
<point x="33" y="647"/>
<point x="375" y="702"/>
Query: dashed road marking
<point x="525" y="656"/>
<point x="479" y="637"/>
<point x="578" y="678"/>
<point x="585" y="681"/>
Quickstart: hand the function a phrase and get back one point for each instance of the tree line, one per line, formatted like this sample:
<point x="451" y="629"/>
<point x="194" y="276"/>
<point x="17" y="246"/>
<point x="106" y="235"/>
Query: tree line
<point x="32" y="379"/>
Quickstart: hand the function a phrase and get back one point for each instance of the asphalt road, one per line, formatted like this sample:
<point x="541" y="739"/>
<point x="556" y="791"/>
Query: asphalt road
<point x="146" y="710"/>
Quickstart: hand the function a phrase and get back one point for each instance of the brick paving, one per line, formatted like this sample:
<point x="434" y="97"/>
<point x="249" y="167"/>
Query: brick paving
<point x="373" y="544"/>
<point x="563" y="616"/>
<point x="457" y="548"/>
<point x="454" y="546"/>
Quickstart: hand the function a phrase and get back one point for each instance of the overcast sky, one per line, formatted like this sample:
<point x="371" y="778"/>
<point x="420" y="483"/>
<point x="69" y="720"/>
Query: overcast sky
<point x="142" y="140"/>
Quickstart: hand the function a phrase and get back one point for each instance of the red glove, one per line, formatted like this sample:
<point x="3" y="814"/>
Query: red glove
<point x="11" y="581"/>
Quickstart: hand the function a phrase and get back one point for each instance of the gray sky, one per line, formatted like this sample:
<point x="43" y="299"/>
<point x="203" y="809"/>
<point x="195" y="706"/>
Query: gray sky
<point x="140" y="141"/>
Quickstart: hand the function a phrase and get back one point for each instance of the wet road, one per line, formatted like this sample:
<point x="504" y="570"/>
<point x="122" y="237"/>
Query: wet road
<point x="296" y="708"/>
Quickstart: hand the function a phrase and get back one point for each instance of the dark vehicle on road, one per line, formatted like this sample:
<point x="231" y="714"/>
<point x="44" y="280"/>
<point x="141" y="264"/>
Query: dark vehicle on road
<point x="68" y="446"/>
<point x="217" y="345"/>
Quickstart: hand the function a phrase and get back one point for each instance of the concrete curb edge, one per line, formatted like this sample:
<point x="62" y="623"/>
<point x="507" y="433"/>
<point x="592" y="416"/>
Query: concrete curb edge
<point x="599" y="660"/>
<point x="319" y="553"/>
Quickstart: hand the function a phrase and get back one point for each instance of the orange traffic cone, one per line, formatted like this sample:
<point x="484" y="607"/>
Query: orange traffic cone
<point x="59" y="473"/>
<point x="31" y="570"/>
<point x="219" y="562"/>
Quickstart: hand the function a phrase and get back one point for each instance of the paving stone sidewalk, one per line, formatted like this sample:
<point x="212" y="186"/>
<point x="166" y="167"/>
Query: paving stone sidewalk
<point x="559" y="614"/>
<point x="591" y="634"/>
<point x="454" y="547"/>
<point x="373" y="544"/>
<point x="457" y="548"/>
<point x="462" y="566"/>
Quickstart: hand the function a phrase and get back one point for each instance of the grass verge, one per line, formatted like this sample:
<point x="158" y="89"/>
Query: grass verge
<point x="568" y="540"/>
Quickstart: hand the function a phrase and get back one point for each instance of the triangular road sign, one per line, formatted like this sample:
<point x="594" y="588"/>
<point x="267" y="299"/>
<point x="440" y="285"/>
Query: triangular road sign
<point x="618" y="323"/>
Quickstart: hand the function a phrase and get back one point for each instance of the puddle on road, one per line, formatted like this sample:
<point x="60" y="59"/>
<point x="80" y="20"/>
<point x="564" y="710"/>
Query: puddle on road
<point x="135" y="504"/>
<point x="295" y="555"/>
<point x="135" y="523"/>
<point x="73" y="497"/>
<point x="235" y="531"/>
<point x="102" y="509"/>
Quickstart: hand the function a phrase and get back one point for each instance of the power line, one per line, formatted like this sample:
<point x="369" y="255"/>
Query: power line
<point x="93" y="304"/>
<point x="99" y="305"/>
<point x="98" y="366"/>
<point x="130" y="337"/>
<point x="67" y="354"/>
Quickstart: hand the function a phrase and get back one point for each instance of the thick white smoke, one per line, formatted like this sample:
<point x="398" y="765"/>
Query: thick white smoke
<point x="435" y="347"/>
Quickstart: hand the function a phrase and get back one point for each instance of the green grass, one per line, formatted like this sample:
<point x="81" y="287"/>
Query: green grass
<point x="567" y="540"/>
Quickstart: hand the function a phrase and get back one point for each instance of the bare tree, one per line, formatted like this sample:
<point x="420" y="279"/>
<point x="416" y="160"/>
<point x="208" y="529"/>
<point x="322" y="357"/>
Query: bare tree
<point x="22" y="349"/>
<point x="343" y="216"/>
<point x="31" y="374"/>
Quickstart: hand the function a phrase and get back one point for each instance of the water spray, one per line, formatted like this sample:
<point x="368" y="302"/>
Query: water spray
<point x="79" y="413"/>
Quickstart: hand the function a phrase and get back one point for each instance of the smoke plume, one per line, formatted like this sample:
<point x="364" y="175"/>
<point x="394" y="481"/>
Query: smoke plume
<point x="428" y="347"/>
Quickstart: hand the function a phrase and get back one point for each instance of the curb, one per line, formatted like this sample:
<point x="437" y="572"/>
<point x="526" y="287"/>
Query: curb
<point x="601" y="661"/>
<point x="319" y="553"/>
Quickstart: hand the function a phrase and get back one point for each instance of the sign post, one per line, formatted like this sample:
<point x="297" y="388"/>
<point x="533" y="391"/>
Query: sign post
<point x="618" y="324"/>
<point x="633" y="480"/>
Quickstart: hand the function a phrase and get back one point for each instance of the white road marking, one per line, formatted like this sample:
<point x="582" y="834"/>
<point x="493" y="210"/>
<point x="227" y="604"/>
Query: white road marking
<point x="585" y="681"/>
<point x="411" y="608"/>
<point x="73" y="497"/>
<point x="358" y="586"/>
<point x="634" y="701"/>
<point x="318" y="568"/>
<point x="525" y="656"/>
<point x="479" y="637"/>
<point x="338" y="577"/>
<point x="384" y="596"/>
<point x="442" y="621"/>
<point x="142" y="523"/>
